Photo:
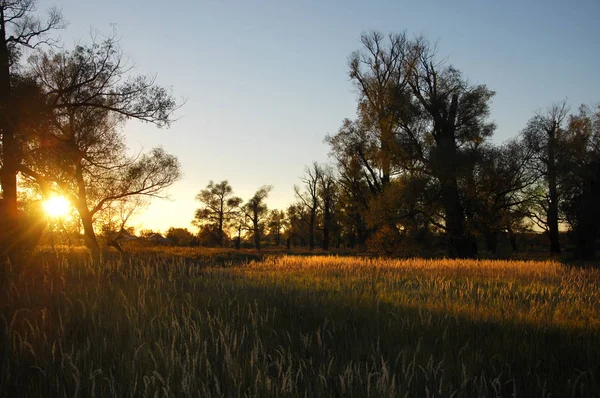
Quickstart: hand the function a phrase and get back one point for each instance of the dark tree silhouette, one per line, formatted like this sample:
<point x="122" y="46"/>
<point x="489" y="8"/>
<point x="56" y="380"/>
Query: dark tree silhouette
<point x="256" y="211"/>
<point x="220" y="207"/>
<point x="19" y="28"/>
<point x="579" y="179"/>
<point x="88" y="94"/>
<point x="309" y="198"/>
<point x="543" y="136"/>
<point x="327" y="190"/>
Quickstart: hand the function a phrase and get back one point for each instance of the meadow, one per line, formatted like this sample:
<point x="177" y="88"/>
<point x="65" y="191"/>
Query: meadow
<point x="175" y="324"/>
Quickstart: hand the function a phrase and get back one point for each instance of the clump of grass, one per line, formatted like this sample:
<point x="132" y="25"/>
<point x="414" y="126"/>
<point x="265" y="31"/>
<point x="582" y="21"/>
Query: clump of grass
<point x="157" y="325"/>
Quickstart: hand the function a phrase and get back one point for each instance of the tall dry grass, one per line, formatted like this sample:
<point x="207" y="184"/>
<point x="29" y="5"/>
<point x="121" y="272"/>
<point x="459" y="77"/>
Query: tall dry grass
<point x="156" y="325"/>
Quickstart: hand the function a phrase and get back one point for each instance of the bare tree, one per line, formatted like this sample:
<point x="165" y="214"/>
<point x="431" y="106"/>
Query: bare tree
<point x="256" y="211"/>
<point x="19" y="28"/>
<point x="219" y="208"/>
<point x="327" y="190"/>
<point x="309" y="198"/>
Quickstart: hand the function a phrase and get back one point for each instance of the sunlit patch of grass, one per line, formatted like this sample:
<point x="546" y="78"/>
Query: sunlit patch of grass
<point x="158" y="324"/>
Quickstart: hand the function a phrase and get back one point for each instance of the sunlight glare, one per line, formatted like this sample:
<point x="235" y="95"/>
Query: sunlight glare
<point x="56" y="206"/>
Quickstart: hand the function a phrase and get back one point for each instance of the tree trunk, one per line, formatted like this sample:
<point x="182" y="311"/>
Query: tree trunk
<point x="256" y="235"/>
<point x="513" y="240"/>
<point x="586" y="241"/>
<point x="221" y="231"/>
<point x="587" y="229"/>
<point x="238" y="241"/>
<point x="459" y="244"/>
<point x="89" y="236"/>
<point x="311" y="229"/>
<point x="9" y="236"/>
<point x="552" y="216"/>
<point x="491" y="241"/>
<point x="326" y="222"/>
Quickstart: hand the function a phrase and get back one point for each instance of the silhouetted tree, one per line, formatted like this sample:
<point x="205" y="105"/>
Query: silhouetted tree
<point x="114" y="217"/>
<point x="579" y="179"/>
<point x="327" y="191"/>
<point x="498" y="195"/>
<point x="256" y="211"/>
<point x="89" y="95"/>
<point x="455" y="113"/>
<point x="297" y="231"/>
<point x="415" y="117"/>
<point x="543" y="136"/>
<point x="19" y="28"/>
<point x="309" y="198"/>
<point x="220" y="207"/>
<point x="276" y="222"/>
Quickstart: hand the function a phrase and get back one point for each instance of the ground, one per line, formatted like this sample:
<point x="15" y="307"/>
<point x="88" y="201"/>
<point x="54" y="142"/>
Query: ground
<point x="223" y="323"/>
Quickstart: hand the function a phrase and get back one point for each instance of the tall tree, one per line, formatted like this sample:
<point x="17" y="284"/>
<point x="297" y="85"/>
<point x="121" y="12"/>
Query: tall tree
<point x="88" y="95"/>
<point x="19" y="28"/>
<point x="415" y="117"/>
<point x="456" y="114"/>
<point x="256" y="211"/>
<point x="543" y="135"/>
<point x="378" y="72"/>
<point x="579" y="179"/>
<point x="219" y="207"/>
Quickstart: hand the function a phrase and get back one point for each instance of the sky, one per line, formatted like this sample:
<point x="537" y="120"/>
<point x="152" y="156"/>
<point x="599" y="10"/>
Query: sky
<point x="263" y="82"/>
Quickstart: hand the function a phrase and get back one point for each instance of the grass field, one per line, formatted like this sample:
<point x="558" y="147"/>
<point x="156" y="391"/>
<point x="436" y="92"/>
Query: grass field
<point x="178" y="325"/>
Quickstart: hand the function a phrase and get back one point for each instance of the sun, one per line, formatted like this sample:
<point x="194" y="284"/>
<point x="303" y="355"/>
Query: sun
<point x="56" y="206"/>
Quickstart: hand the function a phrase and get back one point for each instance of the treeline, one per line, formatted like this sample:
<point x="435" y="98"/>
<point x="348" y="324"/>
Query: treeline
<point x="417" y="164"/>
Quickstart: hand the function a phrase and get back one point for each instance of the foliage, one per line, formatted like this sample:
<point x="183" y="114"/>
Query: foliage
<point x="88" y="94"/>
<point x="219" y="211"/>
<point x="256" y="211"/>
<point x="181" y="237"/>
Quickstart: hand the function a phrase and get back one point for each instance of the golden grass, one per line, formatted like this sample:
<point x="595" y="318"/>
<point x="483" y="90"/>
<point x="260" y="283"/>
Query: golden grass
<point x="167" y="324"/>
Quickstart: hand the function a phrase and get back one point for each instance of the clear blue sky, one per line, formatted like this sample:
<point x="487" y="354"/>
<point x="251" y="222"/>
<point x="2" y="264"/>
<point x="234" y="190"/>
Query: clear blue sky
<point x="265" y="81"/>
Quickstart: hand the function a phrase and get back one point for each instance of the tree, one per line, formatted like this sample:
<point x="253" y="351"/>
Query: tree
<point x="579" y="179"/>
<point x="309" y="198"/>
<point x="378" y="72"/>
<point x="353" y="200"/>
<point x="239" y="224"/>
<point x="498" y="196"/>
<point x="219" y="208"/>
<point x="19" y="28"/>
<point x="327" y="192"/>
<point x="256" y="211"/>
<point x="543" y="136"/>
<point x="88" y="95"/>
<point x="113" y="219"/>
<point x="416" y="116"/>
<point x="181" y="237"/>
<point x="276" y="223"/>
<point x="297" y="231"/>
<point x="455" y="113"/>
